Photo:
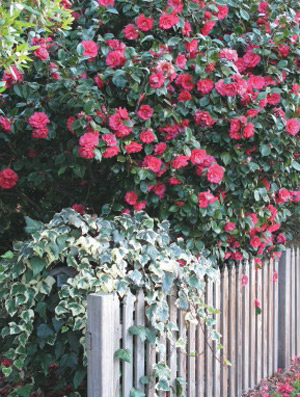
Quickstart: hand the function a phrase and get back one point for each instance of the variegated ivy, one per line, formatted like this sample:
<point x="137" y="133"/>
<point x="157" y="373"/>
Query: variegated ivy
<point x="45" y="324"/>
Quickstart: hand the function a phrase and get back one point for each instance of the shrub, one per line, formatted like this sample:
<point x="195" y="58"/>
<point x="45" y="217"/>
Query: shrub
<point x="43" y="324"/>
<point x="187" y="110"/>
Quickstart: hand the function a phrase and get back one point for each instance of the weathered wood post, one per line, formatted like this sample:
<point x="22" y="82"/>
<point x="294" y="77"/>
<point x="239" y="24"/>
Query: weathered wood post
<point x="284" y="309"/>
<point x="102" y="335"/>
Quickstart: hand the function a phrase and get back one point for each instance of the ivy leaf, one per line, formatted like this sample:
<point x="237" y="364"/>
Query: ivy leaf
<point x="32" y="226"/>
<point x="136" y="393"/>
<point x="123" y="354"/>
<point x="37" y="265"/>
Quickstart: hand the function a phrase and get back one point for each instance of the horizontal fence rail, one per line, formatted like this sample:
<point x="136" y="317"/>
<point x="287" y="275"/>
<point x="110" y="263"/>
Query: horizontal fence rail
<point x="259" y="320"/>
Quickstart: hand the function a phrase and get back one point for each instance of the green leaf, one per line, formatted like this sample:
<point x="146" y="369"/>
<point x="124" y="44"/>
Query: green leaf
<point x="88" y="106"/>
<point x="244" y="15"/>
<point x="43" y="331"/>
<point x="136" y="393"/>
<point x="265" y="150"/>
<point x="7" y="255"/>
<point x="295" y="165"/>
<point x="79" y="376"/>
<point x="32" y="226"/>
<point x="123" y="354"/>
<point x="226" y="158"/>
<point x="37" y="265"/>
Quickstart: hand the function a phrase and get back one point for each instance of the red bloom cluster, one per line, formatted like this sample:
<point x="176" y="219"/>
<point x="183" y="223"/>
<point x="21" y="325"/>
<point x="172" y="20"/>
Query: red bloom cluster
<point x="38" y="121"/>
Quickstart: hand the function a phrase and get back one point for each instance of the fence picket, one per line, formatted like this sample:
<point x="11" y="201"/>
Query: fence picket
<point x="182" y="352"/>
<point x="265" y="319"/>
<point x="208" y="346"/>
<point x="284" y="313"/>
<point x="172" y="347"/>
<point x="258" y="371"/>
<point x="275" y="317"/>
<point x="270" y="309"/>
<point x="200" y="360"/>
<point x="191" y="378"/>
<point x="298" y="302"/>
<point x="252" y="315"/>
<point x="224" y="331"/>
<point x="127" y="338"/>
<point x="216" y="361"/>
<point x="139" y="346"/>
<point x="246" y="329"/>
<point x="239" y="329"/>
<point x="232" y="331"/>
<point x="293" y="305"/>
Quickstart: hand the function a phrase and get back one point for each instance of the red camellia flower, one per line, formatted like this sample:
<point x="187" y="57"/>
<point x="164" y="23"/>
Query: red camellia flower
<point x="159" y="189"/>
<point x="109" y="139"/>
<point x="292" y="126"/>
<point x="8" y="178"/>
<point x="133" y="147"/>
<point x="12" y="77"/>
<point x="273" y="98"/>
<point x="147" y="136"/>
<point x="4" y="123"/>
<point x="89" y="139"/>
<point x="203" y="118"/>
<point x="130" y="197"/>
<point x="226" y="89"/>
<point x="205" y="85"/>
<point x="115" y="58"/>
<point x="105" y="3"/>
<point x="90" y="48"/>
<point x="248" y="130"/>
<point x="180" y="161"/>
<point x="156" y="80"/>
<point x="251" y="60"/>
<point x="41" y="53"/>
<point x="198" y="156"/>
<point x="38" y="120"/>
<point x="207" y="27"/>
<point x="255" y="241"/>
<point x="144" y="23"/>
<point x="214" y="173"/>
<point x="153" y="163"/>
<point x="130" y="32"/>
<point x="166" y="21"/>
<point x="229" y="226"/>
<point x="110" y="152"/>
<point x="205" y="198"/>
<point x="145" y="112"/>
<point x="284" y="195"/>
<point x="159" y="148"/>
<point x="139" y="205"/>
<point x="40" y="132"/>
<point x="78" y="208"/>
<point x="116" y="122"/>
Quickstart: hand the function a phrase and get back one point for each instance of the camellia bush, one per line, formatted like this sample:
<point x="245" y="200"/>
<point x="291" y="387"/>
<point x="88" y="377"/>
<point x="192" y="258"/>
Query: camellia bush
<point x="185" y="109"/>
<point x="43" y="322"/>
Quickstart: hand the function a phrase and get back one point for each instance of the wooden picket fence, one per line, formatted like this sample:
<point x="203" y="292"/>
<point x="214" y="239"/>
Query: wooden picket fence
<point x="255" y="344"/>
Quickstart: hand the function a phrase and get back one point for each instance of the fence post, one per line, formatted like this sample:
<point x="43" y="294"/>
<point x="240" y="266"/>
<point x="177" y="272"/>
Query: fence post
<point x="284" y="309"/>
<point x="102" y="329"/>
